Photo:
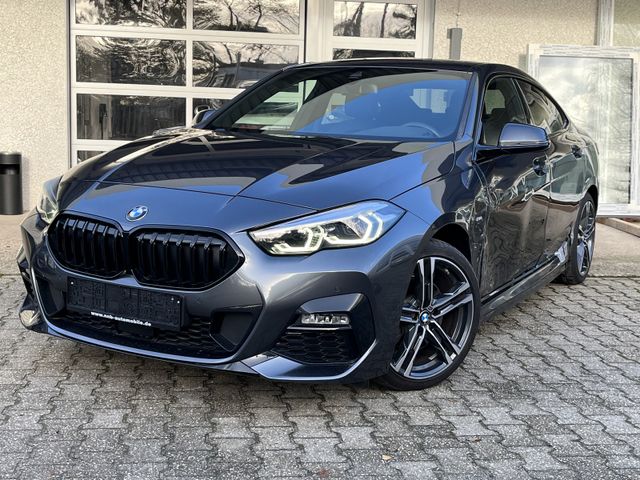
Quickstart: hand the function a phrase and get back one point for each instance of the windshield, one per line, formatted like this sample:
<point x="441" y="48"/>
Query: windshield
<point x="382" y="103"/>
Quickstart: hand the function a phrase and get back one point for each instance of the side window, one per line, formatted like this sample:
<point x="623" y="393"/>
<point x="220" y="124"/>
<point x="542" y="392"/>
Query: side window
<point x="502" y="105"/>
<point x="543" y="111"/>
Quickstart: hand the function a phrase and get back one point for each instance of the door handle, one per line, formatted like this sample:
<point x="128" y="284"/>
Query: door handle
<point x="540" y="165"/>
<point x="576" y="150"/>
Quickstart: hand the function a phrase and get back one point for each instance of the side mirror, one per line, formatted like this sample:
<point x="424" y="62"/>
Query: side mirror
<point x="202" y="113"/>
<point x="517" y="136"/>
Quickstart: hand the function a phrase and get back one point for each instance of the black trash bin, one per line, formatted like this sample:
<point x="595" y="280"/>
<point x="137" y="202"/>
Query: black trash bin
<point x="10" y="183"/>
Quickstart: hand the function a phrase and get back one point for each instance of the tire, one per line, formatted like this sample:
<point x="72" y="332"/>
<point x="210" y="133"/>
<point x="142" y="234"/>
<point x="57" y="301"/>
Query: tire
<point x="437" y="327"/>
<point x="584" y="236"/>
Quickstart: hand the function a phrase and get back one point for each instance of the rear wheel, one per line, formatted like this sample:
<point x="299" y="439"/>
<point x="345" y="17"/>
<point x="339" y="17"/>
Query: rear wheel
<point x="439" y="320"/>
<point x="581" y="250"/>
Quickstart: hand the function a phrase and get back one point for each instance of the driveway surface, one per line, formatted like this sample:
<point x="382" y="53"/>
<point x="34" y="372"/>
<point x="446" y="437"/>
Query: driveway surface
<point x="551" y="389"/>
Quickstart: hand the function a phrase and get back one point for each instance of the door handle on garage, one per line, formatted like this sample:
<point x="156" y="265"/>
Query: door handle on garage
<point x="540" y="165"/>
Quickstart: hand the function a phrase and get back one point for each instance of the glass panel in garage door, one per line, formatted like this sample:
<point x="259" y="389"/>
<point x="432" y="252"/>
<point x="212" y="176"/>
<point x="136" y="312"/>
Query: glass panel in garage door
<point x="126" y="117"/>
<point x="267" y="16"/>
<point x="140" y="13"/>
<point x="371" y="28"/>
<point x="149" y="61"/>
<point x="374" y="20"/>
<point x="342" y="53"/>
<point x="213" y="103"/>
<point x="83" y="155"/>
<point x="238" y="65"/>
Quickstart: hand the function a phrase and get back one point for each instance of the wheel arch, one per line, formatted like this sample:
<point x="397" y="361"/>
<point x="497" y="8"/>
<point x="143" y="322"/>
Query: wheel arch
<point x="455" y="235"/>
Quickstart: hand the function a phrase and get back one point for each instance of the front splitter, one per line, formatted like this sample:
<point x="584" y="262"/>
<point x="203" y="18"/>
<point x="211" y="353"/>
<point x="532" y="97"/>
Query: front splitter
<point x="267" y="365"/>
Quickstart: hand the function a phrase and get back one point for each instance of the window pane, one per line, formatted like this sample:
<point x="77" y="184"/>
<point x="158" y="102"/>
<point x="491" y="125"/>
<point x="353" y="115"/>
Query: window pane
<point x="597" y="94"/>
<point x="87" y="154"/>
<point x="140" y="13"/>
<point x="374" y="20"/>
<point x="272" y="16"/>
<point x="626" y="28"/>
<point x="214" y="103"/>
<point x="238" y="65"/>
<point x="502" y="105"/>
<point x="544" y="113"/>
<point x="353" y="102"/>
<point x="344" y="53"/>
<point x="130" y="60"/>
<point x="126" y="117"/>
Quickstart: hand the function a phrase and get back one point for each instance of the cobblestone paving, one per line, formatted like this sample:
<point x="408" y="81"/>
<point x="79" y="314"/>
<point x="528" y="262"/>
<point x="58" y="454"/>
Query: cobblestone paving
<point x="550" y="390"/>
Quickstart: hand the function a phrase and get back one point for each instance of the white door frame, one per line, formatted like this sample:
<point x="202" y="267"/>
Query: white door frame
<point x="633" y="54"/>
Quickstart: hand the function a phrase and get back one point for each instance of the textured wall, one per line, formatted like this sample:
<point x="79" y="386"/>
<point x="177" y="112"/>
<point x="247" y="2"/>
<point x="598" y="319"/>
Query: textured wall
<point x="500" y="30"/>
<point x="33" y="88"/>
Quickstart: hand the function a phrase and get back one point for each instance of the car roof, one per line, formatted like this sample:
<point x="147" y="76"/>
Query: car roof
<point x="482" y="68"/>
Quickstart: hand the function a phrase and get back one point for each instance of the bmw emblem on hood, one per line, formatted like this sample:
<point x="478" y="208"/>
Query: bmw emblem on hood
<point x="137" y="213"/>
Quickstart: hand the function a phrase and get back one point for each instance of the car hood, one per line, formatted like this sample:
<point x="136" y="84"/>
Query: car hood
<point x="310" y="172"/>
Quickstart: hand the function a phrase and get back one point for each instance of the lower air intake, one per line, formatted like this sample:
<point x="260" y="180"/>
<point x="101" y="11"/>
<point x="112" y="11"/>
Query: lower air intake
<point x="318" y="345"/>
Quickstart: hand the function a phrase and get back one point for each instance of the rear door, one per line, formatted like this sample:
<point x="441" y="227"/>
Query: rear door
<point x="566" y="168"/>
<point x="515" y="187"/>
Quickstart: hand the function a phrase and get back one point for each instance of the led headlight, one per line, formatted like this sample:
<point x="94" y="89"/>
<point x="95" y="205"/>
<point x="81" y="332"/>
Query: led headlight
<point x="48" y="205"/>
<point x="350" y="226"/>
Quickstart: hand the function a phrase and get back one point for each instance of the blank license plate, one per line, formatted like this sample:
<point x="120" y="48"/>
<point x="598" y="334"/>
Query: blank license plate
<point x="124" y="304"/>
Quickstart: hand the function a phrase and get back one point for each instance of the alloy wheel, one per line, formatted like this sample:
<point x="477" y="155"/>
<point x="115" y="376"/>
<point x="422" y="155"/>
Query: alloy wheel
<point x="436" y="321"/>
<point x="586" y="230"/>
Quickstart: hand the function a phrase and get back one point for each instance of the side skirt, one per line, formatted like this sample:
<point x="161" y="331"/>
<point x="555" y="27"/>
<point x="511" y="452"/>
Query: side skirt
<point x="502" y="300"/>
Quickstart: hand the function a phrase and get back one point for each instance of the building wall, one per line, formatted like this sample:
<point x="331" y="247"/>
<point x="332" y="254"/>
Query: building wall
<point x="500" y="30"/>
<point x="34" y="100"/>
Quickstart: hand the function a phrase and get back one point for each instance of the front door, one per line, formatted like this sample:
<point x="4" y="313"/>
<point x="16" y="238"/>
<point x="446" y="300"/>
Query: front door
<point x="515" y="187"/>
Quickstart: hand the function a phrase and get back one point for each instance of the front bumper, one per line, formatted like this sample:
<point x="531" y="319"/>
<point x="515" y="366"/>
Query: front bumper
<point x="368" y="282"/>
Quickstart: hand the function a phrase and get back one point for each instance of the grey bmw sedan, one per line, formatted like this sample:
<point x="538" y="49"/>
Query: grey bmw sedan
<point x="339" y="221"/>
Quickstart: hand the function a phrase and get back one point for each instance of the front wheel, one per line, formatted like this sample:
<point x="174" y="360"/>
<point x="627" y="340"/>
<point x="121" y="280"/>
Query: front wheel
<point x="439" y="320"/>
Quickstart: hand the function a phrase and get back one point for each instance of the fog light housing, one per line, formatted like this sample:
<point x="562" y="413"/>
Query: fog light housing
<point x="325" y="319"/>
